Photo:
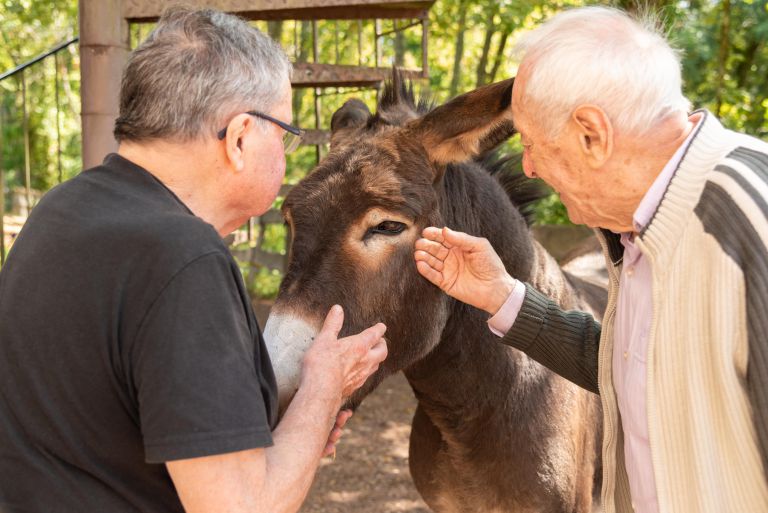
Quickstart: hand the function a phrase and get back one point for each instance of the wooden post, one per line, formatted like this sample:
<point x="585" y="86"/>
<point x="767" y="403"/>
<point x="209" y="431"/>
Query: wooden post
<point x="104" y="49"/>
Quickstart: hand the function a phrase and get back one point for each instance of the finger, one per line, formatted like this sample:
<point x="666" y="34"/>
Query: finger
<point x="378" y="352"/>
<point x="430" y="273"/>
<point x="461" y="239"/>
<point x="342" y="418"/>
<point x="432" y="233"/>
<point x="369" y="337"/>
<point x="333" y="321"/>
<point x="434" y="263"/>
<point x="329" y="450"/>
<point x="335" y="435"/>
<point x="433" y="248"/>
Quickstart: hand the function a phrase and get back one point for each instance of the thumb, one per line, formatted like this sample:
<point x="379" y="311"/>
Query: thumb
<point x="333" y="321"/>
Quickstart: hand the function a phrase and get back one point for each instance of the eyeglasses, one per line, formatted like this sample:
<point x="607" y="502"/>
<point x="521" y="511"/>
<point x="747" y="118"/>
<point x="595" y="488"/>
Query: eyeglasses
<point x="292" y="136"/>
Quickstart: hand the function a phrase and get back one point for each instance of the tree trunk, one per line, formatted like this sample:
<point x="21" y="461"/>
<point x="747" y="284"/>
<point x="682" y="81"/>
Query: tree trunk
<point x="305" y="45"/>
<point x="482" y="66"/>
<point x="275" y="30"/>
<point x="399" y="46"/>
<point x="722" y="64"/>
<point x="742" y="72"/>
<point x="499" y="55"/>
<point x="461" y="29"/>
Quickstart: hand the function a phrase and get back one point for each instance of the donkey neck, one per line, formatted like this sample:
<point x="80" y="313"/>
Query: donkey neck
<point x="473" y="201"/>
<point x="469" y="361"/>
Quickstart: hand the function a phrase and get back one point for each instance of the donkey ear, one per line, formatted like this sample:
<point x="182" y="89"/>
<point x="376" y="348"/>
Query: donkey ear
<point x="353" y="114"/>
<point x="469" y="125"/>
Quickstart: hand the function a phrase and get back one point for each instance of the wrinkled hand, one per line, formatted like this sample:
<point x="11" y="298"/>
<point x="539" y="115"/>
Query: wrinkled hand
<point x="333" y="438"/>
<point x="348" y="361"/>
<point x="464" y="267"/>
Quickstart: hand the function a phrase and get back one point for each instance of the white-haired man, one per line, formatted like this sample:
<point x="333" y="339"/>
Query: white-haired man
<point x="133" y="375"/>
<point x="681" y="359"/>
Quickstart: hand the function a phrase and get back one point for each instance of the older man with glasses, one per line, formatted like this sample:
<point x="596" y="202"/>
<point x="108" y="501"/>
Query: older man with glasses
<point x="133" y="374"/>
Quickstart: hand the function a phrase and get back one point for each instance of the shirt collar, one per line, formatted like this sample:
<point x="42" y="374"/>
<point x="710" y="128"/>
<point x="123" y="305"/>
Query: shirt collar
<point x="652" y="199"/>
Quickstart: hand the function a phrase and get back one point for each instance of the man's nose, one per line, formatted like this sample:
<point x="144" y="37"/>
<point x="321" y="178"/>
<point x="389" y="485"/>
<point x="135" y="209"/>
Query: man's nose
<point x="528" y="168"/>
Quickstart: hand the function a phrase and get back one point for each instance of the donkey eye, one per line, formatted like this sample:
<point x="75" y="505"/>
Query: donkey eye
<point x="387" y="228"/>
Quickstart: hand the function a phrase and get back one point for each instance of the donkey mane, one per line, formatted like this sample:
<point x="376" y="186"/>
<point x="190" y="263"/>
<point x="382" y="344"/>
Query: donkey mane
<point x="521" y="190"/>
<point x="398" y="92"/>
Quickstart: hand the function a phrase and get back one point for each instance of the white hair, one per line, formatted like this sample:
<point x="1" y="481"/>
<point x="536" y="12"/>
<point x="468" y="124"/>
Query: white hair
<point x="601" y="56"/>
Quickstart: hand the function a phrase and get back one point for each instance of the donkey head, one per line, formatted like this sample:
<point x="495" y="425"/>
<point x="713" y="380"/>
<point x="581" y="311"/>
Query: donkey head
<point x="355" y="218"/>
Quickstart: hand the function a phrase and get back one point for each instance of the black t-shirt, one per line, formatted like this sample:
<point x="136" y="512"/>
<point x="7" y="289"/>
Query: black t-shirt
<point x="127" y="339"/>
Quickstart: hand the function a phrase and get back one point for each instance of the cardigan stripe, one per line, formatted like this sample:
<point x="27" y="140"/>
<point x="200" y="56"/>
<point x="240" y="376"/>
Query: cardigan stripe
<point x="729" y="213"/>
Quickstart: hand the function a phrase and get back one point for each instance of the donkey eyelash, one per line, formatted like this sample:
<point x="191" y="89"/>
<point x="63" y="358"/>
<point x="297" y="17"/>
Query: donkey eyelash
<point x="386" y="228"/>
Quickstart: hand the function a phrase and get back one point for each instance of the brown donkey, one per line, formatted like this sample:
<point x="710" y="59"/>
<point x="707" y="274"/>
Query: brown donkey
<point x="493" y="431"/>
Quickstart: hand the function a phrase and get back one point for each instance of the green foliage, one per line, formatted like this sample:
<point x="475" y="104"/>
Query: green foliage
<point x="551" y="210"/>
<point x="260" y="282"/>
<point x="27" y="29"/>
<point x="732" y="84"/>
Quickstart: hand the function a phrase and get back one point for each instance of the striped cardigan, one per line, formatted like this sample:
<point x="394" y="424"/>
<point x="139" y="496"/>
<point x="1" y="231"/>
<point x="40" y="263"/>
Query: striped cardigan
<point x="707" y="382"/>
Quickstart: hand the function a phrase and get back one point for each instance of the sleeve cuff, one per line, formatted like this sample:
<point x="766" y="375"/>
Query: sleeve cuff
<point x="529" y="321"/>
<point x="500" y="323"/>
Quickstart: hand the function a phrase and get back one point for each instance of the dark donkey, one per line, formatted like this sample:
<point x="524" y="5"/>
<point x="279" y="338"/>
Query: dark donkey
<point x="494" y="431"/>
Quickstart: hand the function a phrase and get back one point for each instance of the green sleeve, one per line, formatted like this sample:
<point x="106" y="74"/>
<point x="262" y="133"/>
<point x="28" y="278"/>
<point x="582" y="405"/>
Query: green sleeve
<point x="566" y="342"/>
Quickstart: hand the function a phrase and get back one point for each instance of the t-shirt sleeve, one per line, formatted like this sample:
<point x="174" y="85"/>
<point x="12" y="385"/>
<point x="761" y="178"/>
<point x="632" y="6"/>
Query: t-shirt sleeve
<point x="194" y="368"/>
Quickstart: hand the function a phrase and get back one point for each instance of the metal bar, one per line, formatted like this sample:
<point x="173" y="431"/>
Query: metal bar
<point x="58" y="109"/>
<point x="310" y="74"/>
<point x="316" y="56"/>
<point x="400" y="28"/>
<point x="344" y="90"/>
<point x="336" y="39"/>
<point x="27" y="157"/>
<point x="150" y="10"/>
<point x="376" y="27"/>
<point x="360" y="42"/>
<point x="37" y="59"/>
<point x="424" y="47"/>
<point x="296" y="49"/>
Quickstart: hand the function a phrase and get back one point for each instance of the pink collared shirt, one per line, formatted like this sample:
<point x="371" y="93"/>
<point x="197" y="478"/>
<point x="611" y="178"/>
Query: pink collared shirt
<point x="632" y="326"/>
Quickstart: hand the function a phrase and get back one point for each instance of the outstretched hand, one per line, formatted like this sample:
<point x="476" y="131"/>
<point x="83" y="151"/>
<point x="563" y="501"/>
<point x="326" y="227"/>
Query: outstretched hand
<point x="464" y="267"/>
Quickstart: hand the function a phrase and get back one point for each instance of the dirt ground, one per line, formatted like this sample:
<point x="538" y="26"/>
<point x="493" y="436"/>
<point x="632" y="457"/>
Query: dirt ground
<point x="370" y="472"/>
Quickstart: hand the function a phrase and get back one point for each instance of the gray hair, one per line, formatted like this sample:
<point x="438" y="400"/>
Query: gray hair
<point x="193" y="72"/>
<point x="602" y="56"/>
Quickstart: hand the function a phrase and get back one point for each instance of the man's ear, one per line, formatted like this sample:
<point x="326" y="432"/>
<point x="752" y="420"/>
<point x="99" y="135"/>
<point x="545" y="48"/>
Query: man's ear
<point x="233" y="142"/>
<point x="467" y="126"/>
<point x="595" y="133"/>
<point x="353" y="114"/>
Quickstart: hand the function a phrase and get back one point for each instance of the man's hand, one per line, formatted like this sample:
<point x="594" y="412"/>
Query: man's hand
<point x="333" y="438"/>
<point x="464" y="267"/>
<point x="348" y="361"/>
